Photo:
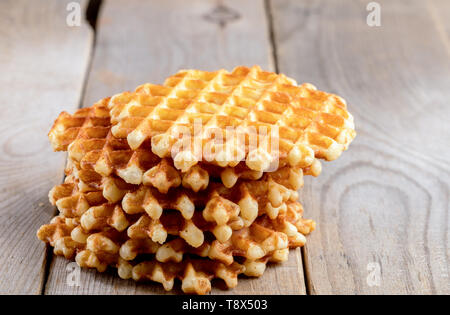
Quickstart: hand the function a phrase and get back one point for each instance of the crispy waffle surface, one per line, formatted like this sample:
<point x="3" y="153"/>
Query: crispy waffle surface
<point x="120" y="244"/>
<point x="94" y="151"/>
<point x="220" y="210"/>
<point x="311" y="123"/>
<point x="114" y="187"/>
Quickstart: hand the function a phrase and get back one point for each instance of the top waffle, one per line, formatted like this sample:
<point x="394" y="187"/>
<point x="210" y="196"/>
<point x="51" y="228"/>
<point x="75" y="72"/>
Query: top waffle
<point x="274" y="122"/>
<point x="99" y="156"/>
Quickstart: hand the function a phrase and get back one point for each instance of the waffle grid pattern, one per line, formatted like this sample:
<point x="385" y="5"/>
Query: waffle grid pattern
<point x="311" y="123"/>
<point x="96" y="154"/>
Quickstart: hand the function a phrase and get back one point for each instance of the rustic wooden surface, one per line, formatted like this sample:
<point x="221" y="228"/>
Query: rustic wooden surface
<point x="43" y="66"/>
<point x="383" y="203"/>
<point x="386" y="200"/>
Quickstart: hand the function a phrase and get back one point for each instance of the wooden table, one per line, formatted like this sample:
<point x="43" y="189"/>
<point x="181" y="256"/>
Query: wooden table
<point x="382" y="209"/>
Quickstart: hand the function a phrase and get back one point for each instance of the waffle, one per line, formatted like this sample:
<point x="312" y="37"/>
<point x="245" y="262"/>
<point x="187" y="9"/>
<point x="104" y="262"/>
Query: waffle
<point x="96" y="214"/>
<point x="195" y="275"/>
<point x="94" y="152"/>
<point x="311" y="124"/>
<point x="223" y="209"/>
<point x="71" y="202"/>
<point x="86" y="135"/>
<point x="251" y="197"/>
<point x="261" y="243"/>
<point x="114" y="187"/>
<point x="248" y="198"/>
<point x="264" y="238"/>
<point x="101" y="249"/>
<point x="227" y="208"/>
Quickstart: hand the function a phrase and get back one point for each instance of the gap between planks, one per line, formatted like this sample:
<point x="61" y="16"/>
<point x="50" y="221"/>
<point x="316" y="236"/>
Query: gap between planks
<point x="90" y="18"/>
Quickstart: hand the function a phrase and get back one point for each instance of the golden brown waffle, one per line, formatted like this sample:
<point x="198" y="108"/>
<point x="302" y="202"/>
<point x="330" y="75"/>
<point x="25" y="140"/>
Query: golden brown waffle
<point x="222" y="209"/>
<point x="114" y="188"/>
<point x="71" y="202"/>
<point x="311" y="124"/>
<point x="86" y="135"/>
<point x="93" y="250"/>
<point x="248" y="198"/>
<point x="264" y="237"/>
<point x="266" y="240"/>
<point x="195" y="274"/>
<point x="58" y="234"/>
<point x="101" y="249"/>
<point x="97" y="214"/>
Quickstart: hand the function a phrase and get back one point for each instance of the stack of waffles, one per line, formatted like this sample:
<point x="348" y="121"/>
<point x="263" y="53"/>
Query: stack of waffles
<point x="140" y="196"/>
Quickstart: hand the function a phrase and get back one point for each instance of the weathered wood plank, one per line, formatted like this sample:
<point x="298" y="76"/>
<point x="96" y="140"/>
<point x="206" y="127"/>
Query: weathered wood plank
<point x="43" y="64"/>
<point x="145" y="41"/>
<point x="161" y="37"/>
<point x="385" y="201"/>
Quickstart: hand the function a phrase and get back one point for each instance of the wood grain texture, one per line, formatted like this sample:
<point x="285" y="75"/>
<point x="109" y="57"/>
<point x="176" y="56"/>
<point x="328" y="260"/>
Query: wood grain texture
<point x="386" y="200"/>
<point x="162" y="37"/>
<point x="145" y="41"/>
<point x="43" y="64"/>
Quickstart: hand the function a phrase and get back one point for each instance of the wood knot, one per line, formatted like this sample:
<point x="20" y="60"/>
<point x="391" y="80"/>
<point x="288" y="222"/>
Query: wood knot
<point x="222" y="15"/>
